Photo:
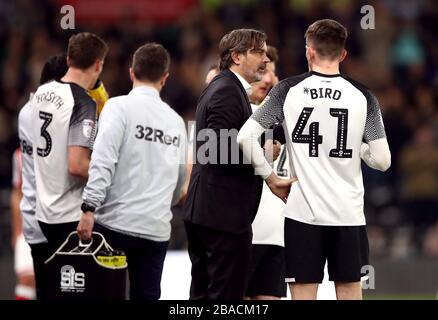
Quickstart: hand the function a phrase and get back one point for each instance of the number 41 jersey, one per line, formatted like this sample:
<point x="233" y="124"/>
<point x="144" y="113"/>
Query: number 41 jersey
<point x="63" y="115"/>
<point x="326" y="118"/>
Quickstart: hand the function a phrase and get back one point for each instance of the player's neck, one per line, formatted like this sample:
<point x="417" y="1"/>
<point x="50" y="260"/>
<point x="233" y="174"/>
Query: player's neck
<point x="138" y="83"/>
<point x="328" y="68"/>
<point x="78" y="77"/>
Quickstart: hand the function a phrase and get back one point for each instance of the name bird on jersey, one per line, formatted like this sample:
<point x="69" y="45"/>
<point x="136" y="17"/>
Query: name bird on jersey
<point x="67" y="118"/>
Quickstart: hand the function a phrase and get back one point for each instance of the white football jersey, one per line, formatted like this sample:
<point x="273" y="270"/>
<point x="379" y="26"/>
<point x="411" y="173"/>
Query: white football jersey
<point x="63" y="115"/>
<point x="326" y="118"/>
<point x="268" y="225"/>
<point x="31" y="229"/>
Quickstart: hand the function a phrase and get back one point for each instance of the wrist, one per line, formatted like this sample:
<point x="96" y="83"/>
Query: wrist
<point x="86" y="207"/>
<point x="270" y="178"/>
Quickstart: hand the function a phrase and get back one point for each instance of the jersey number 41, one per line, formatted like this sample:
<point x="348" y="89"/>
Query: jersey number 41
<point x="314" y="139"/>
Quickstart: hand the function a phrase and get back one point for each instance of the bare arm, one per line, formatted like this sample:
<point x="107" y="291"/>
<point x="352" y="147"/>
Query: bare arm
<point x="16" y="220"/>
<point x="78" y="161"/>
<point x="15" y="198"/>
<point x="180" y="189"/>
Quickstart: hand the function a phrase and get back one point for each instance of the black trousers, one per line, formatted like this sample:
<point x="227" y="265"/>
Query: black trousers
<point x="219" y="263"/>
<point x="40" y="253"/>
<point x="145" y="262"/>
<point x="57" y="233"/>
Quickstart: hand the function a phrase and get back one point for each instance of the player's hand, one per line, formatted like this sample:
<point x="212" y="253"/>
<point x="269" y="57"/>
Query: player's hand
<point x="272" y="150"/>
<point x="85" y="226"/>
<point x="280" y="187"/>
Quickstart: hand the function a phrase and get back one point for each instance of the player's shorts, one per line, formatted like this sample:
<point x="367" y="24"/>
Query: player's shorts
<point x="266" y="271"/>
<point x="23" y="262"/>
<point x="308" y="247"/>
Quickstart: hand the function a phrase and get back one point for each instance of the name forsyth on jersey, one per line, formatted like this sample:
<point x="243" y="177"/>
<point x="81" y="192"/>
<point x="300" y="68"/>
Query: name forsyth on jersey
<point x="51" y="97"/>
<point x="186" y="310"/>
<point x="323" y="93"/>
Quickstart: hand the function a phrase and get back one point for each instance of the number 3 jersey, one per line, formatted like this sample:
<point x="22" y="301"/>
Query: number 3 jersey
<point x="326" y="118"/>
<point x="63" y="115"/>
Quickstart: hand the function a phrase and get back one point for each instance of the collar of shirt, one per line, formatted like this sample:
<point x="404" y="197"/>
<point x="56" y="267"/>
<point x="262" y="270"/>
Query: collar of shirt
<point x="245" y="84"/>
<point x="150" y="91"/>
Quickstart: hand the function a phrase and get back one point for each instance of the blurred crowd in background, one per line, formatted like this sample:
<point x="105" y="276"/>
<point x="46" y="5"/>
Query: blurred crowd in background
<point x="397" y="61"/>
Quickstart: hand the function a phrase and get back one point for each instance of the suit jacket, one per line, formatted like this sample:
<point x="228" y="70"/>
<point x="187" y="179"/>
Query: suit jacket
<point x="224" y="197"/>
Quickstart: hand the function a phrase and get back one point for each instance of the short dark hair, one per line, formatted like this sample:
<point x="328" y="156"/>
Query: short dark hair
<point x="327" y="37"/>
<point x="239" y="41"/>
<point x="84" y="49"/>
<point x="272" y="54"/>
<point x="150" y="62"/>
<point x="54" y="68"/>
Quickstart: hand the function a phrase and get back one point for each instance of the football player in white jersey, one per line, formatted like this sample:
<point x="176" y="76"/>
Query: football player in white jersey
<point x="331" y="123"/>
<point x="267" y="265"/>
<point x="137" y="172"/>
<point x="29" y="229"/>
<point x="64" y="125"/>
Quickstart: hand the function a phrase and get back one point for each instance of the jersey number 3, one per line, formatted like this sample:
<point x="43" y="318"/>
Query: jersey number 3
<point x="47" y="117"/>
<point x="314" y="139"/>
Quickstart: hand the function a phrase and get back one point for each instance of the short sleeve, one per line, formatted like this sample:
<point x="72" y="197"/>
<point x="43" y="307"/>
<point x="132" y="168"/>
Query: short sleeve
<point x="83" y="121"/>
<point x="16" y="169"/>
<point x="374" y="128"/>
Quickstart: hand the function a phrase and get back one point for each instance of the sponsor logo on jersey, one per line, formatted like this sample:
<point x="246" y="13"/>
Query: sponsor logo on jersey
<point x="156" y="135"/>
<point x="72" y="281"/>
<point x="26" y="147"/>
<point x="87" y="127"/>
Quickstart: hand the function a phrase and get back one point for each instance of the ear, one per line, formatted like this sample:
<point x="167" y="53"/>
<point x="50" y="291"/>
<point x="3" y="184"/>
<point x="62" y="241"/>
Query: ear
<point x="310" y="53"/>
<point x="68" y="61"/>
<point x="310" y="56"/>
<point x="164" y="79"/>
<point x="98" y="66"/>
<point x="236" y="58"/>
<point x="131" y="74"/>
<point x="343" y="55"/>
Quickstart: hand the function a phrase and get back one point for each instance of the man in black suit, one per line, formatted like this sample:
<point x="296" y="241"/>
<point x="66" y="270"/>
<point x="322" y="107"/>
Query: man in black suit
<point x="224" y="193"/>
